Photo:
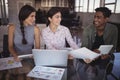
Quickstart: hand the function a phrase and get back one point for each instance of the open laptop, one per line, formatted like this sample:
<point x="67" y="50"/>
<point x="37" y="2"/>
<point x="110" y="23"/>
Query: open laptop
<point x="54" y="58"/>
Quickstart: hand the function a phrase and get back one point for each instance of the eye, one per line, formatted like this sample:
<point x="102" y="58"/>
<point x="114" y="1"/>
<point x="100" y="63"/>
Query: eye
<point x="32" y="15"/>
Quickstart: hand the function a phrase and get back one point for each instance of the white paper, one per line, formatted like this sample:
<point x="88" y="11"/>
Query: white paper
<point x="48" y="73"/>
<point x="105" y="49"/>
<point x="9" y="63"/>
<point x="84" y="53"/>
<point x="25" y="56"/>
<point x="67" y="48"/>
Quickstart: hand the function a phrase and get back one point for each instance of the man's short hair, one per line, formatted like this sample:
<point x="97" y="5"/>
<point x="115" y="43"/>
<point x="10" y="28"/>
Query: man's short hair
<point x="106" y="12"/>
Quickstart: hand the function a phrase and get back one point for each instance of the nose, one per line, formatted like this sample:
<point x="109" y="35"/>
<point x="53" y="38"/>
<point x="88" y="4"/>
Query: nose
<point x="60" y="19"/>
<point x="95" y="18"/>
<point x="34" y="19"/>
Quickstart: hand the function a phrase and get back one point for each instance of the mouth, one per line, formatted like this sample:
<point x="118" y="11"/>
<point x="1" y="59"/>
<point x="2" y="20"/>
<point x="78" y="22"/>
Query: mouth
<point x="96" y="23"/>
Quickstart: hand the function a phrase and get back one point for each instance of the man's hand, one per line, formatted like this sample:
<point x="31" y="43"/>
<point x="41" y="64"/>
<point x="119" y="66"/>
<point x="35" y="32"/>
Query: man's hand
<point x="96" y="50"/>
<point x="105" y="56"/>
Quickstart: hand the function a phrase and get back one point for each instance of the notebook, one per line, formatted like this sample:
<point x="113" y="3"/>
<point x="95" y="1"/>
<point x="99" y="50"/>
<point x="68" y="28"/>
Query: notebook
<point x="52" y="58"/>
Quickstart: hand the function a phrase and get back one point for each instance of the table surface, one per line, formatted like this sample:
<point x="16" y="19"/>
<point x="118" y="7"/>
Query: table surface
<point x="76" y="70"/>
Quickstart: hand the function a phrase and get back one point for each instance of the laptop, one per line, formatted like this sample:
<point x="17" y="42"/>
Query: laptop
<point x="51" y="58"/>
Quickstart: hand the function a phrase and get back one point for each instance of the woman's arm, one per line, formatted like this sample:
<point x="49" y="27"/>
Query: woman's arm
<point x="37" y="37"/>
<point x="70" y="39"/>
<point x="11" y="29"/>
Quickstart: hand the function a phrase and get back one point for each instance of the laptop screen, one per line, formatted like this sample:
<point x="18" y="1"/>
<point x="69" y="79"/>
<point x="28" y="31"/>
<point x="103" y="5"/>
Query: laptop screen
<point x="50" y="57"/>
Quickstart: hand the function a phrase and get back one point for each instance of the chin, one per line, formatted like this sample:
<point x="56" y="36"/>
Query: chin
<point x="96" y="25"/>
<point x="57" y="24"/>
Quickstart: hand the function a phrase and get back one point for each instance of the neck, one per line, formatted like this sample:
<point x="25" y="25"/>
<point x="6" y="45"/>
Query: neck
<point x="53" y="27"/>
<point x="100" y="32"/>
<point x="25" y="24"/>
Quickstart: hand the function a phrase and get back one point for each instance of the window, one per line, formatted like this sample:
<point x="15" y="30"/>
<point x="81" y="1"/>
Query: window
<point x="86" y="5"/>
<point x="21" y="3"/>
<point x="52" y="3"/>
<point x="113" y="5"/>
<point x="3" y="12"/>
<point x="118" y="7"/>
<point x="91" y="5"/>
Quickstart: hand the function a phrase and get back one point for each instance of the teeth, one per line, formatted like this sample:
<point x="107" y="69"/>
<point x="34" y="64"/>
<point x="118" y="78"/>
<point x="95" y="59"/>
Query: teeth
<point x="96" y="22"/>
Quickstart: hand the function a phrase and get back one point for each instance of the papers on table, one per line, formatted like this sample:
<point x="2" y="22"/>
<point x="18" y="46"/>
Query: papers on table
<point x="49" y="73"/>
<point x="105" y="49"/>
<point x="84" y="53"/>
<point x="9" y="63"/>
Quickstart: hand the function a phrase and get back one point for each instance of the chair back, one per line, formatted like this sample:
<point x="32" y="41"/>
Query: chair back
<point x="6" y="52"/>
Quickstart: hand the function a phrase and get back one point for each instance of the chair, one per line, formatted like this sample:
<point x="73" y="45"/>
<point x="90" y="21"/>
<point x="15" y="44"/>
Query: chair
<point x="5" y="52"/>
<point x="118" y="41"/>
<point x="109" y="69"/>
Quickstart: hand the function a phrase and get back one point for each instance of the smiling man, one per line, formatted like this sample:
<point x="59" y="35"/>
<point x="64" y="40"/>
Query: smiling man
<point x="100" y="33"/>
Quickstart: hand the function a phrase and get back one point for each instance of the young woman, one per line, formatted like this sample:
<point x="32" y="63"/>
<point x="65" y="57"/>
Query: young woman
<point x="21" y="38"/>
<point x="55" y="35"/>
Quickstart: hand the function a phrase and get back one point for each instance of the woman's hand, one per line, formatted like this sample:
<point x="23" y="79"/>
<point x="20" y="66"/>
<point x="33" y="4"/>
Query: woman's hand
<point x="16" y="58"/>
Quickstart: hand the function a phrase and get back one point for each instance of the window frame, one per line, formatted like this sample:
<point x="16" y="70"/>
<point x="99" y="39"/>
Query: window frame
<point x="102" y="3"/>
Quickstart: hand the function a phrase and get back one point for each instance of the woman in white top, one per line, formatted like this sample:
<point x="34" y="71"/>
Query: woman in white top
<point x="55" y="35"/>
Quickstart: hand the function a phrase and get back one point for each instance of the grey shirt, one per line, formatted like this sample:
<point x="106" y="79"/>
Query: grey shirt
<point x="20" y="48"/>
<point x="110" y="36"/>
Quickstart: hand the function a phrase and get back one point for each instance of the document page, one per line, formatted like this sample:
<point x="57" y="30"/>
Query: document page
<point x="9" y="63"/>
<point x="25" y="56"/>
<point x="105" y="49"/>
<point x="84" y="53"/>
<point x="49" y="73"/>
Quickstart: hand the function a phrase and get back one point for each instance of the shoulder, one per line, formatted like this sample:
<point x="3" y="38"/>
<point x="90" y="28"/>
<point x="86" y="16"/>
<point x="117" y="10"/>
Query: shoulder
<point x="11" y="27"/>
<point x="45" y="30"/>
<point x="63" y="27"/>
<point x="36" y="28"/>
<point x="111" y="27"/>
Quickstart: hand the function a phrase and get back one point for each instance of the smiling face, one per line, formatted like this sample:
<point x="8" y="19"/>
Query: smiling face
<point x="100" y="20"/>
<point x="30" y="19"/>
<point x="56" y="19"/>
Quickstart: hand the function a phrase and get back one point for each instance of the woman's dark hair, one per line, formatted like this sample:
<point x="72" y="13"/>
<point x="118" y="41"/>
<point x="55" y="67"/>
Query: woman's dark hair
<point x="106" y="12"/>
<point x="24" y="13"/>
<point x="52" y="12"/>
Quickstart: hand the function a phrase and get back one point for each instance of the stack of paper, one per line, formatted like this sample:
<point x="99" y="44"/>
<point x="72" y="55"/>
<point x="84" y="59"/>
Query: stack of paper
<point x="48" y="73"/>
<point x="9" y="63"/>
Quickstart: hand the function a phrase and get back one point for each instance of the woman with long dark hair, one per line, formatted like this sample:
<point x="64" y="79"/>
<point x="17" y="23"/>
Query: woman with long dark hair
<point x="21" y="39"/>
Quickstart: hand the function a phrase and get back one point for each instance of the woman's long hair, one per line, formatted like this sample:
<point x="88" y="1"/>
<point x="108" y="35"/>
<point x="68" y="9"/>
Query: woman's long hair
<point x="24" y="13"/>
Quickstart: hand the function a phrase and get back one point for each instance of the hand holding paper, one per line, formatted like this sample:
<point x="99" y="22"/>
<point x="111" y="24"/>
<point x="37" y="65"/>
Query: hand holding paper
<point x="105" y="49"/>
<point x="84" y="53"/>
<point x="9" y="63"/>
